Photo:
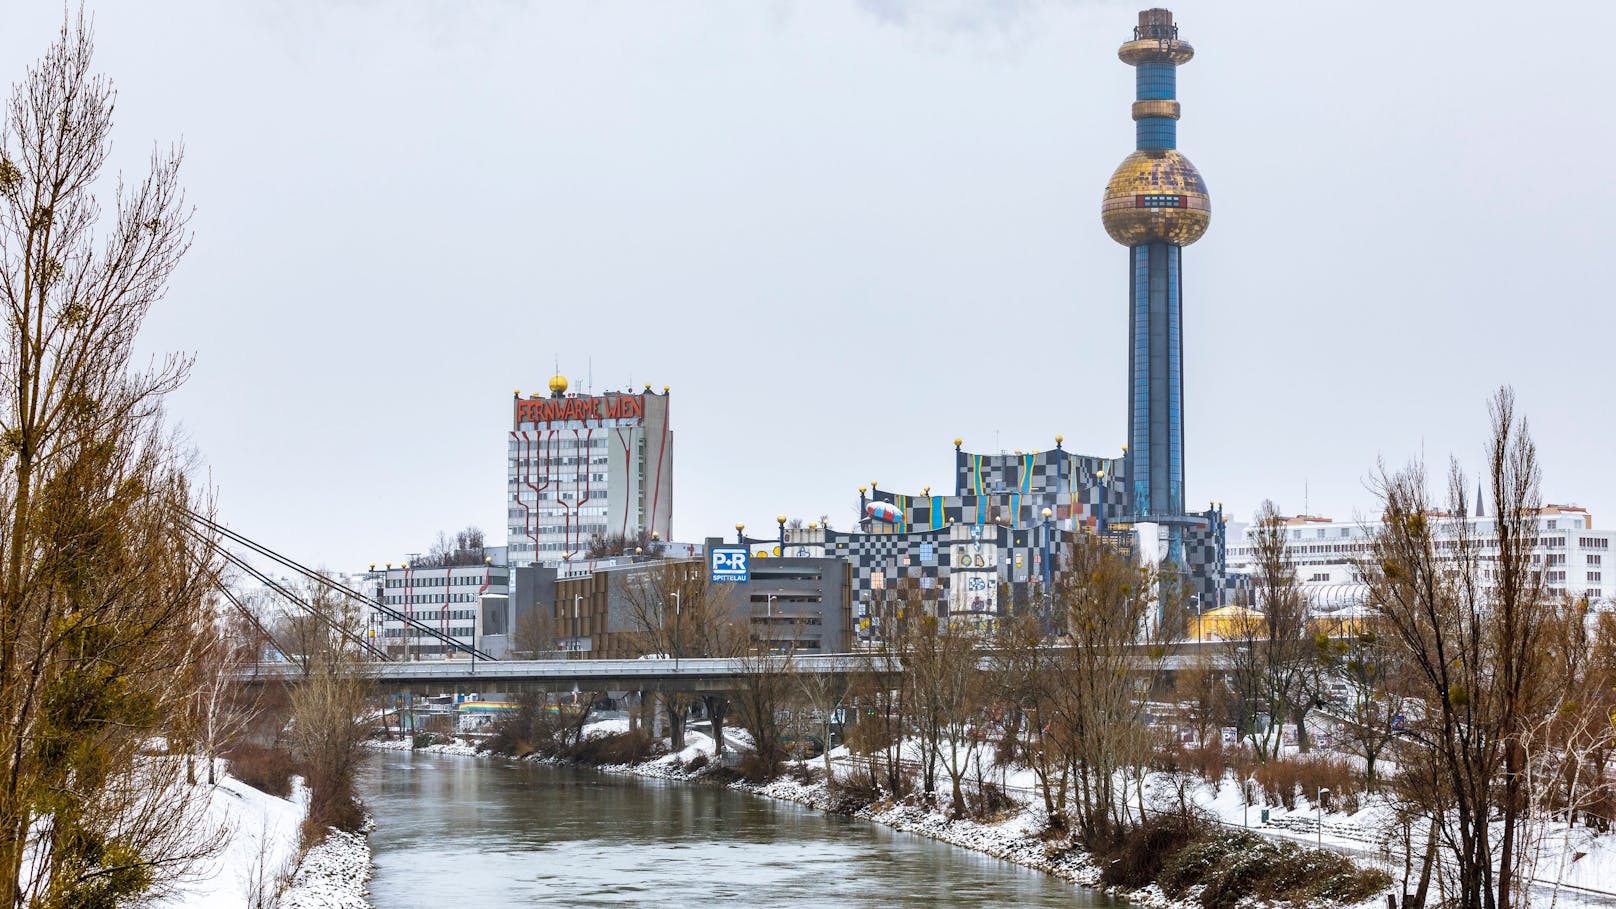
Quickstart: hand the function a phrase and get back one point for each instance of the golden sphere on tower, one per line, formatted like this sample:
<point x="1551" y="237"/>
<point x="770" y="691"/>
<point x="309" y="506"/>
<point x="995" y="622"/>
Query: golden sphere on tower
<point x="1156" y="196"/>
<point x="558" y="385"/>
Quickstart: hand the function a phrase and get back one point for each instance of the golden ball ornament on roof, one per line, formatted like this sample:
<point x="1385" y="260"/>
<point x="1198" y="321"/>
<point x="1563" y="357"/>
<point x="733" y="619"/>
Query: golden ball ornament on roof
<point x="1156" y="196"/>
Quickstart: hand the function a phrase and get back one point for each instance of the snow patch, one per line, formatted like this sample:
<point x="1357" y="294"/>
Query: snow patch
<point x="332" y="874"/>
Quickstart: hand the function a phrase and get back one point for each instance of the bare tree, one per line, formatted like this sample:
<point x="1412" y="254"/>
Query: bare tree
<point x="677" y="613"/>
<point x="330" y="707"/>
<point x="535" y="634"/>
<point x="1477" y="648"/>
<point x="1368" y="665"/>
<point x="466" y="548"/>
<point x="642" y="542"/>
<point x="1107" y="606"/>
<point x="1271" y="649"/>
<point x="1022" y="670"/>
<point x="761" y="698"/>
<point x="884" y="690"/>
<point x="223" y="706"/>
<point x="943" y="659"/>
<point x="825" y="693"/>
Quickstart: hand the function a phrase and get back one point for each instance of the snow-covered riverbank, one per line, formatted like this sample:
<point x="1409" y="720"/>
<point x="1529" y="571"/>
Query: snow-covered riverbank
<point x="259" y="858"/>
<point x="332" y="875"/>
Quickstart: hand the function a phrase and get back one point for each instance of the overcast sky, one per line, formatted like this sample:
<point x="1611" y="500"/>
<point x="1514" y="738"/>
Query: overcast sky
<point x="847" y="232"/>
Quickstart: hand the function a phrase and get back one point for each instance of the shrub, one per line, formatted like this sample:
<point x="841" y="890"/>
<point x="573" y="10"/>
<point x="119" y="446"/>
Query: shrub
<point x="269" y="770"/>
<point x="853" y="790"/>
<point x="696" y="763"/>
<point x="988" y="801"/>
<point x="531" y="728"/>
<point x="1138" y="858"/>
<point x="631" y="747"/>
<point x="1282" y="781"/>
<point x="804" y="773"/>
<point x="424" y="740"/>
<point x="1234" y="867"/>
<point x="1209" y="762"/>
<point x="1277" y="780"/>
<point x="758" y="768"/>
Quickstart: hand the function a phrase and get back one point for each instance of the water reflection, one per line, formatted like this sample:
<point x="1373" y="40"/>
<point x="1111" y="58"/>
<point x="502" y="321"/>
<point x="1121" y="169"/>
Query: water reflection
<point x="464" y="833"/>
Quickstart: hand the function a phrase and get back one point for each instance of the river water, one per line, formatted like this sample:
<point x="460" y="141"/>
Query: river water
<point x="473" y="833"/>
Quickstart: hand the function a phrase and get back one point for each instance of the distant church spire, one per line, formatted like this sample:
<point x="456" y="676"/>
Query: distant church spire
<point x="1481" y="510"/>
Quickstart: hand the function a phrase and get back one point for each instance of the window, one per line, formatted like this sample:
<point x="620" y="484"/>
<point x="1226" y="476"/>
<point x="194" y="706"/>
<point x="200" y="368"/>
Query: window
<point x="1593" y="577"/>
<point x="1593" y="559"/>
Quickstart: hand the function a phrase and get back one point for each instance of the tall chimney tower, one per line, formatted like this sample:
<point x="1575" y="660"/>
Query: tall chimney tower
<point x="1156" y="204"/>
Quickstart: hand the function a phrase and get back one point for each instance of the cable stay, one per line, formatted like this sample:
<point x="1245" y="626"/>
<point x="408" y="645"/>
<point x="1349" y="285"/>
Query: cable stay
<point x="347" y="633"/>
<point x="315" y="576"/>
<point x="302" y="659"/>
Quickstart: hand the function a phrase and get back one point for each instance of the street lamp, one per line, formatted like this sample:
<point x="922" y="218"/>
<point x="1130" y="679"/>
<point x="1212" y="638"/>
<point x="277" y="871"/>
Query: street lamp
<point x="577" y="600"/>
<point x="768" y="624"/>
<point x="1320" y="806"/>
<point x="676" y="631"/>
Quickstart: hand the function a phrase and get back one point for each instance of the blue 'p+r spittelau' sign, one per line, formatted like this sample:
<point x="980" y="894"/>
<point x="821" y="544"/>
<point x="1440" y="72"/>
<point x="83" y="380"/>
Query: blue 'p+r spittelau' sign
<point x="728" y="565"/>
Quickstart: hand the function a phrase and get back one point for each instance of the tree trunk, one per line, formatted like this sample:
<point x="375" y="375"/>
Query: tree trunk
<point x="676" y="725"/>
<point x="1426" y="863"/>
<point x="716" y="709"/>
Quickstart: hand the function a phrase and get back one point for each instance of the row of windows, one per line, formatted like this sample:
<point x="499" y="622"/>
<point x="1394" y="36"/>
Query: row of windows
<point x="425" y="615"/>
<point x="514" y="463"/>
<point x="455" y="631"/>
<point x="560" y="442"/>
<point x="1594" y="542"/>
<point x="1317" y="549"/>
<point x="399" y="600"/>
<point x="519" y="515"/>
<point x="468" y="579"/>
<point x="528" y="496"/>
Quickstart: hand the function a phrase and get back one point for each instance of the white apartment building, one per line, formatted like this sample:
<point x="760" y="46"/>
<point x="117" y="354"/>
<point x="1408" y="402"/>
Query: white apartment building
<point x="579" y="466"/>
<point x="460" y="601"/>
<point x="1571" y="552"/>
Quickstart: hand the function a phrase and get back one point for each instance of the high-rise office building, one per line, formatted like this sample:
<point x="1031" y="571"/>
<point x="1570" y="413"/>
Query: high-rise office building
<point x="586" y="466"/>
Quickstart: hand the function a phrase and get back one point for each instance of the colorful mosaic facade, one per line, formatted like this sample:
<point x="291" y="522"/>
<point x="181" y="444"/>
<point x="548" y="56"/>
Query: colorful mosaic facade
<point x="988" y="539"/>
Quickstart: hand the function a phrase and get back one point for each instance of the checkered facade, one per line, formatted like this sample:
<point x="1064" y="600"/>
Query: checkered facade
<point x="998" y="503"/>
